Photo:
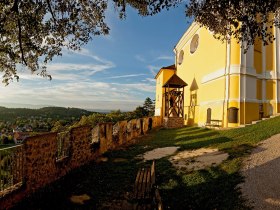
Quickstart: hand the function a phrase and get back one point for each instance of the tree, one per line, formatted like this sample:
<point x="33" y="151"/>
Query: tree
<point x="139" y="112"/>
<point x="149" y="106"/>
<point x="245" y="20"/>
<point x="32" y="32"/>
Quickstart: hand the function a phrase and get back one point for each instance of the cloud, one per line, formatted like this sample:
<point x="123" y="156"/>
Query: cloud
<point x="73" y="85"/>
<point x="68" y="71"/>
<point x="150" y="80"/>
<point x="84" y="94"/>
<point x="137" y="86"/>
<point x="140" y="58"/>
<point x="153" y="69"/>
<point x="126" y="76"/>
<point x="164" y="57"/>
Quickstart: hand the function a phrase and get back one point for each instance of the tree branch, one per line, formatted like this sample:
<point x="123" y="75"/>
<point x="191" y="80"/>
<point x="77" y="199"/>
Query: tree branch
<point x="51" y="11"/>
<point x="15" y="9"/>
<point x="20" y="42"/>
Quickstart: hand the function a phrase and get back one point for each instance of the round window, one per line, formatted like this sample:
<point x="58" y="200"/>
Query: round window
<point x="194" y="43"/>
<point x="181" y="57"/>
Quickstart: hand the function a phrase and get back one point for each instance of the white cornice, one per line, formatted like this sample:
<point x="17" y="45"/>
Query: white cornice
<point x="185" y="38"/>
<point x="246" y="100"/>
<point x="239" y="70"/>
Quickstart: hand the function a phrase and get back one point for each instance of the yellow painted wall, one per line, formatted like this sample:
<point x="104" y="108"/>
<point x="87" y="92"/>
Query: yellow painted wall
<point x="209" y="57"/>
<point x="251" y="112"/>
<point x="234" y="87"/>
<point x="235" y="52"/>
<point x="207" y="67"/>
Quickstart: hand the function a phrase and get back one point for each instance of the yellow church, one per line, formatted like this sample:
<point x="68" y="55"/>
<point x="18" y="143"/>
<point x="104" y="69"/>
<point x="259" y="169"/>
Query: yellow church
<point x="217" y="84"/>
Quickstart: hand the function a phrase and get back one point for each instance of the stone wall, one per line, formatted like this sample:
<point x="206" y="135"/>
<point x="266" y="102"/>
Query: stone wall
<point x="173" y="122"/>
<point x="80" y="146"/>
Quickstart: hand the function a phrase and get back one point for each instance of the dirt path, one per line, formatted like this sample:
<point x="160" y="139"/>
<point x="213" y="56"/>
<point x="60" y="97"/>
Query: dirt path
<point x="262" y="175"/>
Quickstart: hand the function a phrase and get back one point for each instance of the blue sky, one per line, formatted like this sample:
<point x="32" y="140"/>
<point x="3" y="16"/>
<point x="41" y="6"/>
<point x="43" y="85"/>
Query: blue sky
<point x="112" y="72"/>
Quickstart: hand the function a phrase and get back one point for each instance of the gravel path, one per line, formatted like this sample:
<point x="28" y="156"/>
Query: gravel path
<point x="262" y="175"/>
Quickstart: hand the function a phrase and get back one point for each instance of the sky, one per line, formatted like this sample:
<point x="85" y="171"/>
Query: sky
<point x="111" y="72"/>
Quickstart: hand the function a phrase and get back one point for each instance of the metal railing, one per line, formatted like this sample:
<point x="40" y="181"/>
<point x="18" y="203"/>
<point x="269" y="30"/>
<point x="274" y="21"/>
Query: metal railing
<point x="63" y="145"/>
<point x="11" y="168"/>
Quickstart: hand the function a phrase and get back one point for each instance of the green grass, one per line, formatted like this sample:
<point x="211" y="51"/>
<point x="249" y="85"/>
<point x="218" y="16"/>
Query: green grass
<point x="212" y="188"/>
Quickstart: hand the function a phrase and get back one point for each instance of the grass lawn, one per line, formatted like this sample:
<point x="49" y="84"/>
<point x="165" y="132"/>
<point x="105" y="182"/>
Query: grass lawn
<point x="212" y="188"/>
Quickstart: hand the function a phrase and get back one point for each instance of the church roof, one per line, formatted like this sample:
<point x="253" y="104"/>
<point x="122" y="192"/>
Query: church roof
<point x="175" y="82"/>
<point x="171" y="67"/>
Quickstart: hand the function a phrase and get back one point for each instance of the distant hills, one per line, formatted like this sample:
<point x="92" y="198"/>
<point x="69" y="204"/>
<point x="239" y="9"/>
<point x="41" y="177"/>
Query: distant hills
<point x="55" y="113"/>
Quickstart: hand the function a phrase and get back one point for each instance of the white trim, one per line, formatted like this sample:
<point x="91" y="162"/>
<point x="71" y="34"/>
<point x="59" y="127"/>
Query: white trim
<point x="213" y="76"/>
<point x="243" y="88"/>
<point x="247" y="100"/>
<point x="263" y="90"/>
<point x="239" y="70"/>
<point x="158" y="112"/>
<point x="250" y="57"/>
<point x="227" y="72"/>
<point x="193" y="27"/>
<point x="276" y="51"/>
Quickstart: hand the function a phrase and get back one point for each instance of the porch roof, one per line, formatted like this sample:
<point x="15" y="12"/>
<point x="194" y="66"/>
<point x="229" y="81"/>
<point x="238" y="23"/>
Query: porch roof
<point x="175" y="82"/>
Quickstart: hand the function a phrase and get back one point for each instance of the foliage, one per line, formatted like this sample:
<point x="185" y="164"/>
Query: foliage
<point x="148" y="109"/>
<point x="38" y="120"/>
<point x="94" y="119"/>
<point x="4" y="139"/>
<point x="7" y="114"/>
<point x="149" y="106"/>
<point x="115" y="116"/>
<point x="139" y="112"/>
<point x="243" y="20"/>
<point x="33" y="32"/>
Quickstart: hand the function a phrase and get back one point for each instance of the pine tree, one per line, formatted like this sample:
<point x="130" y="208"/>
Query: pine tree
<point x="149" y="106"/>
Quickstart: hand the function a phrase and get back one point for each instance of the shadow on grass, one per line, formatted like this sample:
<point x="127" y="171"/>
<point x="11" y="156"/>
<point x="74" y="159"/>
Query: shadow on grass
<point x="204" y="142"/>
<point x="205" y="189"/>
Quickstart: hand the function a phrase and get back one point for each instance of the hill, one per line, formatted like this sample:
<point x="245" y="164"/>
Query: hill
<point x="55" y="113"/>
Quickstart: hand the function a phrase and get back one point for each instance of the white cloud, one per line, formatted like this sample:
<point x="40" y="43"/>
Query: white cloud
<point x="140" y="58"/>
<point x="73" y="86"/>
<point x="87" y="94"/>
<point x="150" y="80"/>
<point x="86" y="52"/>
<point x="126" y="76"/>
<point x="164" y="57"/>
<point x="153" y="69"/>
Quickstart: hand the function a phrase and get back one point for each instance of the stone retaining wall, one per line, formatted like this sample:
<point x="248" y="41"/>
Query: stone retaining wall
<point x="173" y="122"/>
<point x="83" y="144"/>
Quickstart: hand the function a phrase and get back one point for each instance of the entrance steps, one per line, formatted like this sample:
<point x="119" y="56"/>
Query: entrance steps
<point x="257" y="121"/>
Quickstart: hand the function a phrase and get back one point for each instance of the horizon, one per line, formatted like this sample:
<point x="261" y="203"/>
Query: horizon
<point x="109" y="73"/>
<point x="39" y="106"/>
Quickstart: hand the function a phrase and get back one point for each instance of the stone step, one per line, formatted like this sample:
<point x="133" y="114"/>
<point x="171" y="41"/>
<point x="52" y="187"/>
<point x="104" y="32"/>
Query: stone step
<point x="255" y="122"/>
<point x="241" y="126"/>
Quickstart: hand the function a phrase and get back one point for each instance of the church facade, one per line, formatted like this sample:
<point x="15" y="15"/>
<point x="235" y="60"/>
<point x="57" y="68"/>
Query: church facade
<point x="225" y="86"/>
